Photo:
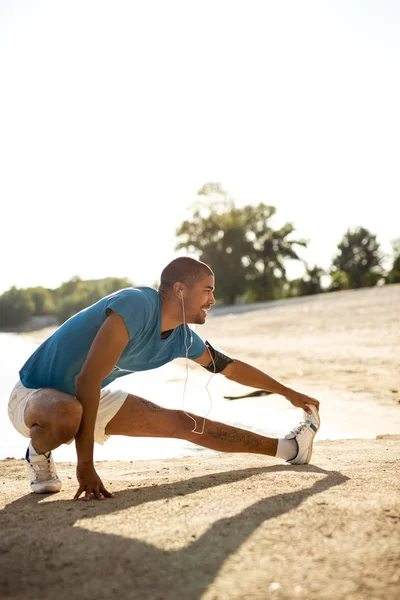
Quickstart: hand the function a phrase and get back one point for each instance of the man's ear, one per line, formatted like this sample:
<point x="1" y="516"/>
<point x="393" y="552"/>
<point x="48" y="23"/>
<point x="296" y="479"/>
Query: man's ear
<point x="178" y="290"/>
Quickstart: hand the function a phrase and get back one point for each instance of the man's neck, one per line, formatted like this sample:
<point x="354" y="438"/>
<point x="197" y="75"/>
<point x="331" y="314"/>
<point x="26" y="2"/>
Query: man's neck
<point x="170" y="317"/>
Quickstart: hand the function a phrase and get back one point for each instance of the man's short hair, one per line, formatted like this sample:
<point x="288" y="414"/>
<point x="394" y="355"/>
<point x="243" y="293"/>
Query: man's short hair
<point x="184" y="269"/>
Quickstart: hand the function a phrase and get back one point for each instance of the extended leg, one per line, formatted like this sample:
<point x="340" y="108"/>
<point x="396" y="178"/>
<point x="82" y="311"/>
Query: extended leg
<point x="142" y="418"/>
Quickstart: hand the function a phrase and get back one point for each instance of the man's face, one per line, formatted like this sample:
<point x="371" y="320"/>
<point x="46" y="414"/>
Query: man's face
<point x="198" y="300"/>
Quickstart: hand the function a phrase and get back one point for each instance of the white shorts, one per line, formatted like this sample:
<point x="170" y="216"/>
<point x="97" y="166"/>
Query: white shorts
<point x="110" y="403"/>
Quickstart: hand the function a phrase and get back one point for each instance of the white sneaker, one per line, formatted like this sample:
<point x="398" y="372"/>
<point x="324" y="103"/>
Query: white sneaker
<point x="304" y="435"/>
<point x="42" y="473"/>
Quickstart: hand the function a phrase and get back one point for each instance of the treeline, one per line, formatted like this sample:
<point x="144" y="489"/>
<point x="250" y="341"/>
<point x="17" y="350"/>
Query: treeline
<point x="17" y="306"/>
<point x="247" y="253"/>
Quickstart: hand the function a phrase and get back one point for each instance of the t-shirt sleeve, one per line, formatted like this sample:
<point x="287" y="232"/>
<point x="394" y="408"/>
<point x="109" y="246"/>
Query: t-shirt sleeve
<point x="133" y="308"/>
<point x="197" y="348"/>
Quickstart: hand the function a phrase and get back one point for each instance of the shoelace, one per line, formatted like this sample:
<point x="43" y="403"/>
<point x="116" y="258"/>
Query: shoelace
<point x="44" y="469"/>
<point x="300" y="427"/>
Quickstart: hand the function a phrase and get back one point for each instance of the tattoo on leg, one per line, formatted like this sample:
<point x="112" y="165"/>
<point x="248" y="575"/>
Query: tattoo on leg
<point x="151" y="406"/>
<point x="247" y="438"/>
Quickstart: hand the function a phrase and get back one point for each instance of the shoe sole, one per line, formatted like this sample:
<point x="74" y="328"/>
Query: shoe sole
<point x="315" y="413"/>
<point x="310" y="447"/>
<point x="49" y="489"/>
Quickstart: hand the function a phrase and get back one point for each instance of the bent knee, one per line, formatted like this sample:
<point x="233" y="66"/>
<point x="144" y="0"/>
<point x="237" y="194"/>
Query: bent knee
<point x="66" y="419"/>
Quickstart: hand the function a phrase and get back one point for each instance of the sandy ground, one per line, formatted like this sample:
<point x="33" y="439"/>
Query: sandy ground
<point x="240" y="526"/>
<point x="226" y="526"/>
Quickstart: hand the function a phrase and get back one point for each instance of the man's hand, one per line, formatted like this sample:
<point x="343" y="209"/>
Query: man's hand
<point x="301" y="400"/>
<point x="248" y="375"/>
<point x="90" y="483"/>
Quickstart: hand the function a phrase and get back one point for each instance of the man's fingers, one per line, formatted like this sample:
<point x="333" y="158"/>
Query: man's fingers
<point x="106" y="492"/>
<point x="88" y="494"/>
<point x="98" y="494"/>
<point x="78" y="493"/>
<point x="315" y="402"/>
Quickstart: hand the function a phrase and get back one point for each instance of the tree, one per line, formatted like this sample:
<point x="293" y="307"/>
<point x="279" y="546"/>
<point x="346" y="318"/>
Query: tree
<point x="310" y="283"/>
<point x="216" y="233"/>
<point x="270" y="249"/>
<point x="43" y="301"/>
<point x="16" y="307"/>
<point x="394" y="273"/>
<point x="359" y="258"/>
<point x="112" y="284"/>
<point x="75" y="295"/>
<point x="246" y="254"/>
<point x="340" y="281"/>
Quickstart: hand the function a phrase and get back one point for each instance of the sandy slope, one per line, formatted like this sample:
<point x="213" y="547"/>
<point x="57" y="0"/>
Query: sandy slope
<point x="219" y="527"/>
<point x="344" y="340"/>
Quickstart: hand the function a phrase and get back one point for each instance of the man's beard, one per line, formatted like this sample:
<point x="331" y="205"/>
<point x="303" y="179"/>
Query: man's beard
<point x="197" y="319"/>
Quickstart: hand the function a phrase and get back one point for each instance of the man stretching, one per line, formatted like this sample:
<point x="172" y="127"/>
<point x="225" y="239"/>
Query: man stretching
<point x="62" y="393"/>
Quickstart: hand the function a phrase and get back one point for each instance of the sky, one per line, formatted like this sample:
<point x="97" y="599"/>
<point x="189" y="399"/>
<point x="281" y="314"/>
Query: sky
<point x="114" y="114"/>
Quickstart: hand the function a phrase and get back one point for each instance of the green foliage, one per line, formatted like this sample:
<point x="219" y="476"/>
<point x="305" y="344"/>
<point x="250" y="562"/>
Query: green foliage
<point x="75" y="295"/>
<point x="216" y="233"/>
<point x="112" y="284"/>
<point x="372" y="279"/>
<point x="340" y="281"/>
<point x="359" y="257"/>
<point x="310" y="283"/>
<point x="394" y="274"/>
<point x="43" y="300"/>
<point x="269" y="251"/>
<point x="245" y="252"/>
<point x="16" y="307"/>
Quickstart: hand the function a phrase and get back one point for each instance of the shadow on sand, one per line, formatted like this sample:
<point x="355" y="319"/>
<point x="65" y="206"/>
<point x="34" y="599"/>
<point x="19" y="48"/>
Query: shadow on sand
<point x="44" y="554"/>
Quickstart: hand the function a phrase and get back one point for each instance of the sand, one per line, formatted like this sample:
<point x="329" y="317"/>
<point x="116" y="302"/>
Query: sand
<point x="240" y="526"/>
<point x="223" y="527"/>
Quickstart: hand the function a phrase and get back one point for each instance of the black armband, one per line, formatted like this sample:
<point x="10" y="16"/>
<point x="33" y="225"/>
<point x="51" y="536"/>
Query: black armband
<point x="219" y="360"/>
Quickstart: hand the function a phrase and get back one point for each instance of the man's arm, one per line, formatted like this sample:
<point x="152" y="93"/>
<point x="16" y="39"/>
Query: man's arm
<point x="104" y="353"/>
<point x="246" y="374"/>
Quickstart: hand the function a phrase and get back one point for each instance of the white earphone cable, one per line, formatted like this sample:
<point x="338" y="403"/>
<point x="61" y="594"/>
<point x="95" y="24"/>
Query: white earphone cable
<point x="187" y="348"/>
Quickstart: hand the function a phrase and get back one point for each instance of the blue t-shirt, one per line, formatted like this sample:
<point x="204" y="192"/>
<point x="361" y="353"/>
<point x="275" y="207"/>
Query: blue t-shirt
<point x="59" y="359"/>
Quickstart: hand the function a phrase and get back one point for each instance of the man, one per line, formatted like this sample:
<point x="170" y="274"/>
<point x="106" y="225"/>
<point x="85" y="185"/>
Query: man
<point x="62" y="393"/>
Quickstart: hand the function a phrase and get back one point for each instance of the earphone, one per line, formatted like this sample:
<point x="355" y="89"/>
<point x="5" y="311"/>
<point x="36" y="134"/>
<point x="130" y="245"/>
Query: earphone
<point x="187" y="348"/>
<point x="187" y="328"/>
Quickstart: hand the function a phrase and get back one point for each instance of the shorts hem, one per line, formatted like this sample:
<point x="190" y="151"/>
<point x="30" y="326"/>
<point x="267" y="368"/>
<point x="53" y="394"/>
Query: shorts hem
<point x="110" y="403"/>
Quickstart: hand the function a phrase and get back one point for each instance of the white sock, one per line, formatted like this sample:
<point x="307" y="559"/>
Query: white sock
<point x="286" y="448"/>
<point x="32" y="451"/>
